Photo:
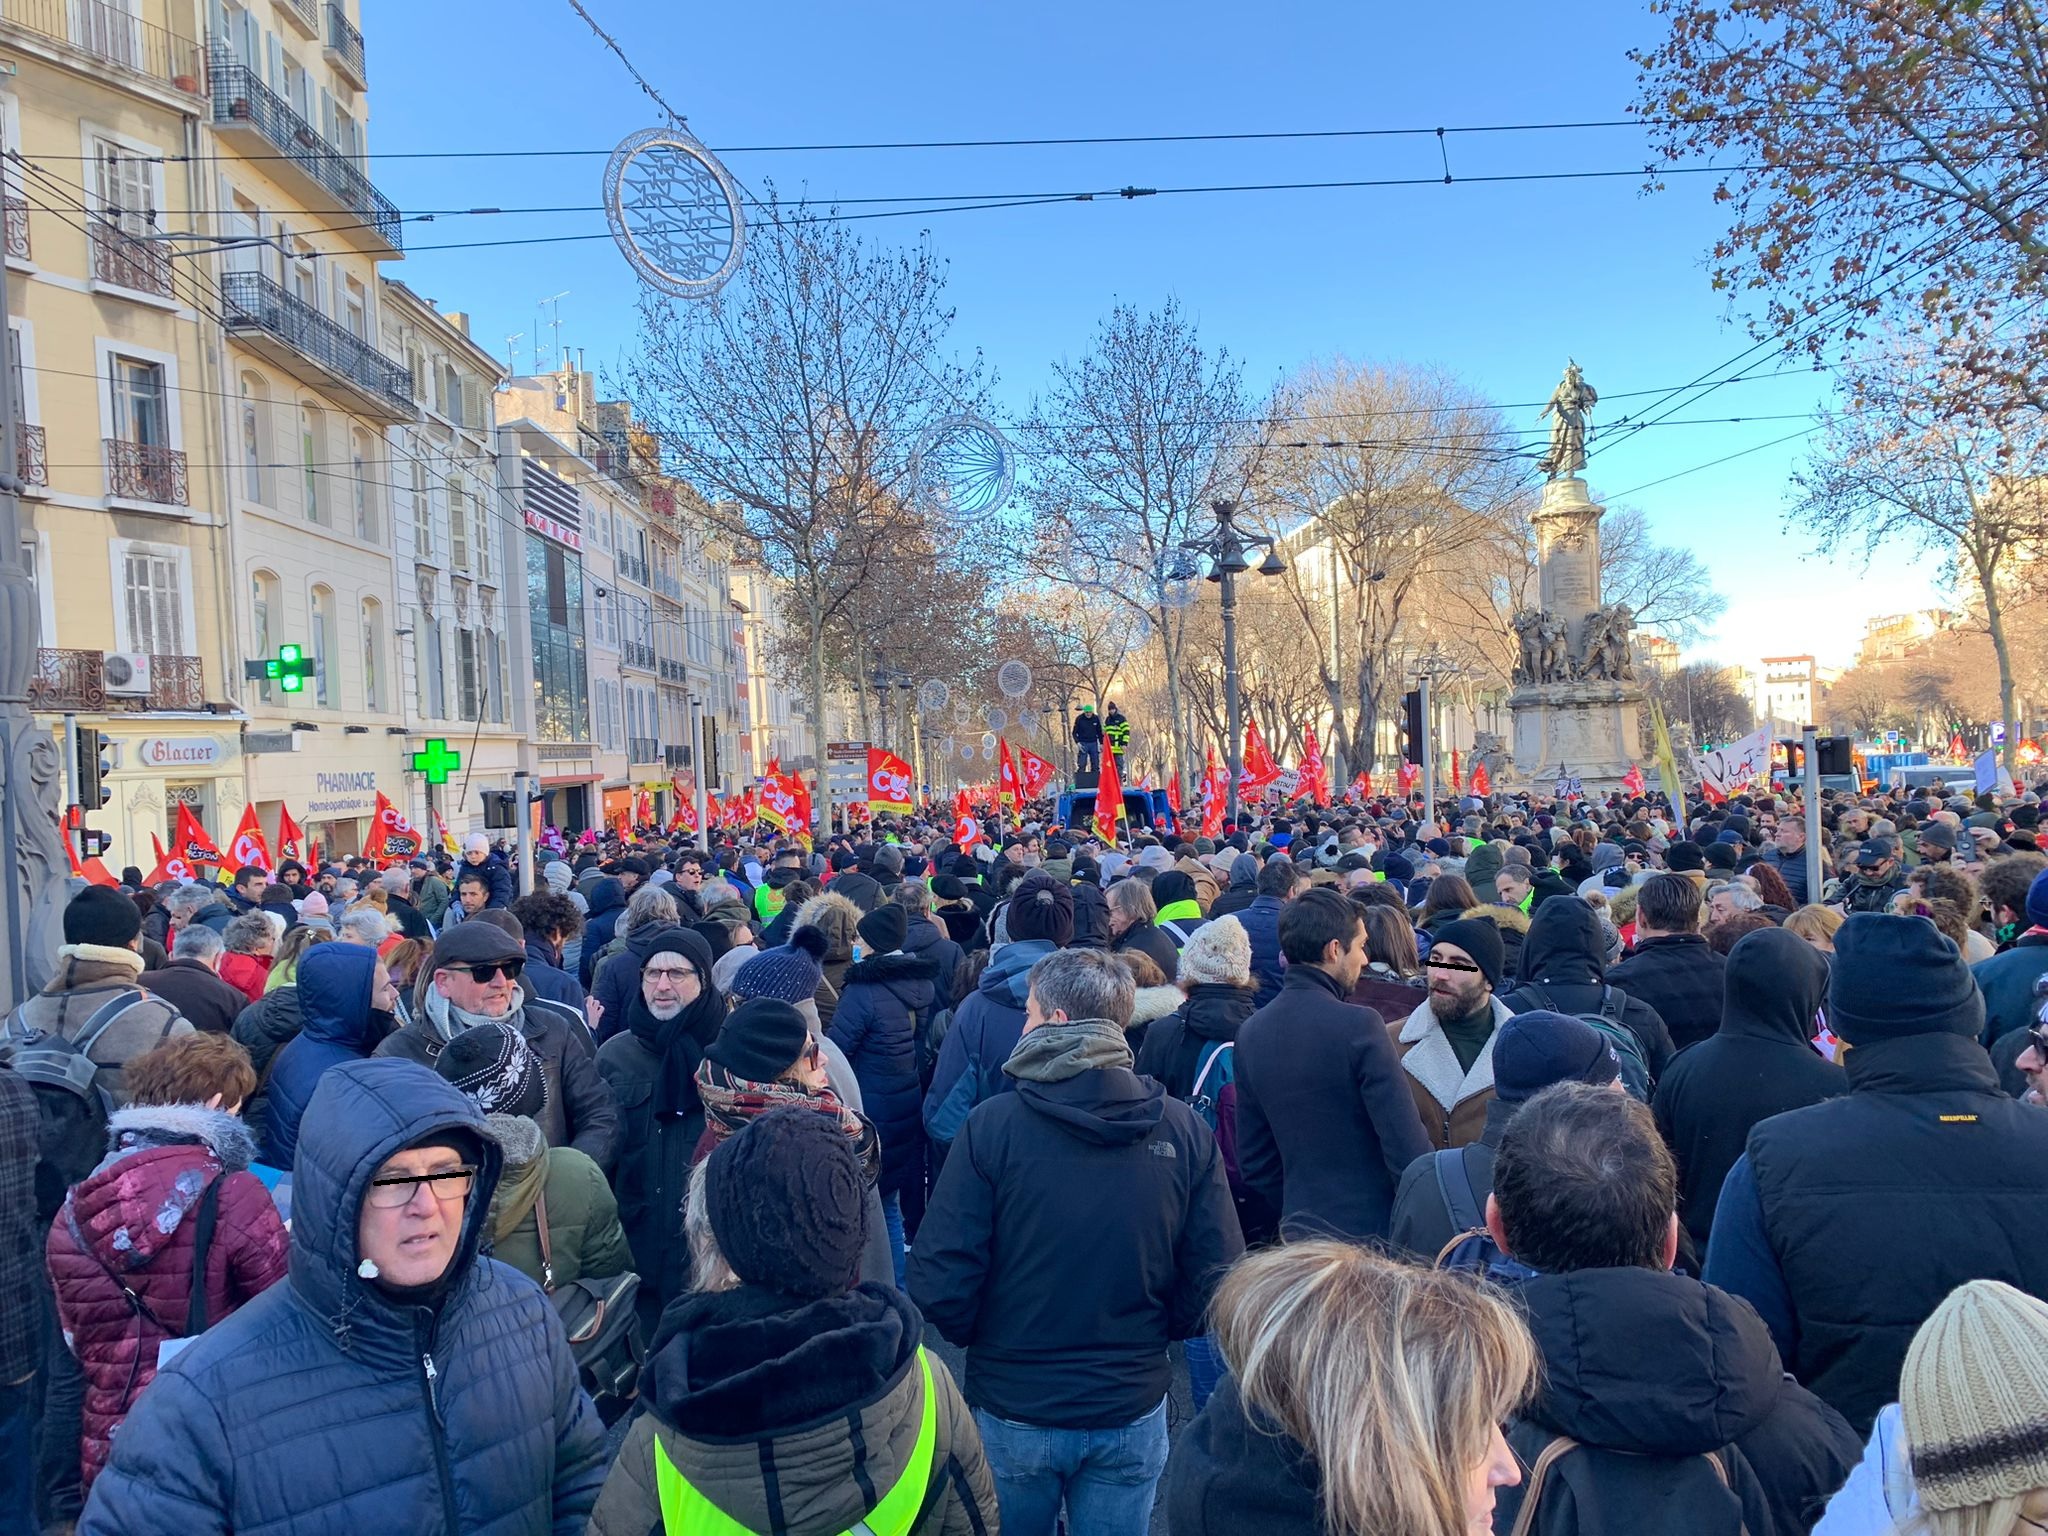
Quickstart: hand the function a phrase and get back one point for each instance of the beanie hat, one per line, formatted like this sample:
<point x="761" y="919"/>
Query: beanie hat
<point x="1219" y="952"/>
<point x="1894" y="976"/>
<point x="2037" y="901"/>
<point x="1042" y="908"/>
<point x="760" y="1040"/>
<point x="1399" y="868"/>
<point x="888" y="860"/>
<point x="885" y="929"/>
<point x="1479" y="939"/>
<point x="788" y="973"/>
<point x="1536" y="1049"/>
<point x="1974" y="1395"/>
<point x="1683" y="857"/>
<point x="787" y="1203"/>
<point x="102" y="915"/>
<point x="312" y="904"/>
<point x="497" y="1069"/>
<point x="949" y="888"/>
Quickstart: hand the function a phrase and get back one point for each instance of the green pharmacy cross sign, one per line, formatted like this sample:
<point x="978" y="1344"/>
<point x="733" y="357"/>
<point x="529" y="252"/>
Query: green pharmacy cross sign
<point x="290" y="668"/>
<point x="436" y="762"/>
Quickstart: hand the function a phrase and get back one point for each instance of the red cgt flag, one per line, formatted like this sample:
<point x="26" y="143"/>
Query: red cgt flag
<point x="1632" y="781"/>
<point x="966" y="830"/>
<point x="190" y="842"/>
<point x="392" y="837"/>
<point x="1215" y="797"/>
<point x="1315" y="772"/>
<point x="248" y="846"/>
<point x="1259" y="768"/>
<point x="1482" y="781"/>
<point x="889" y="780"/>
<point x="1109" y="801"/>
<point x="1009" y="790"/>
<point x="167" y="868"/>
<point x="1410" y="776"/>
<point x="1035" y="771"/>
<point x="1361" y="787"/>
<point x="291" y="837"/>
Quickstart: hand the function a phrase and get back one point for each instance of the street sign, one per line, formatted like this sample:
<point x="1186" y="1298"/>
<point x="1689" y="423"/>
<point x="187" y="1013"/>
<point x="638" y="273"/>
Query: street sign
<point x="436" y="762"/>
<point x="847" y="752"/>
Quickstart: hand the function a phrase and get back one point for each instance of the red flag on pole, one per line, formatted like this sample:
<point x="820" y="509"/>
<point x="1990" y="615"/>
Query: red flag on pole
<point x="91" y="870"/>
<point x="1482" y="781"/>
<point x="1632" y="781"/>
<point x="392" y="837"/>
<point x="248" y="846"/>
<point x="1109" y="801"/>
<point x="1456" y="778"/>
<point x="1410" y="775"/>
<point x="1315" y="773"/>
<point x="1009" y="791"/>
<point x="1215" y="797"/>
<point x="1361" y="786"/>
<point x="1259" y="768"/>
<point x="167" y="868"/>
<point x="1035" y="772"/>
<point x="966" y="830"/>
<point x="889" y="780"/>
<point x="291" y="837"/>
<point x="190" y="842"/>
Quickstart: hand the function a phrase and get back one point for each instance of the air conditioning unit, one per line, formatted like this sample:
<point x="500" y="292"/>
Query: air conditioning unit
<point x="127" y="674"/>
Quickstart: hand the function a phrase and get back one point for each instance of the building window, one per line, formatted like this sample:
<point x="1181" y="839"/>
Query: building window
<point x="141" y="401"/>
<point x="433" y="681"/>
<point x="362" y="464"/>
<point x="153" y="600"/>
<point x="312" y="434"/>
<point x="422" y="514"/>
<point x="265" y="617"/>
<point x="255" y="438"/>
<point x="126" y="185"/>
<point x="373" y="655"/>
<point x="451" y="394"/>
<point x="458" y="524"/>
<point x="323" y="647"/>
<point x="355" y="309"/>
<point x="481" y="506"/>
<point x="561" y="696"/>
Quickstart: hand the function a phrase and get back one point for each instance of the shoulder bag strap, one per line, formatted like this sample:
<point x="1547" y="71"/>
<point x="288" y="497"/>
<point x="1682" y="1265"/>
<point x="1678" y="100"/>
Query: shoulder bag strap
<point x="1215" y="1049"/>
<point x="1454" y="1183"/>
<point x="103" y="1018"/>
<point x="547" y="1254"/>
<point x="1532" y="1489"/>
<point x="202" y="1245"/>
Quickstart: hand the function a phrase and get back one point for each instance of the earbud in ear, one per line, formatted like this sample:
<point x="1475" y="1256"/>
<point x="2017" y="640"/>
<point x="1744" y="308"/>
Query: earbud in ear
<point x="368" y="1269"/>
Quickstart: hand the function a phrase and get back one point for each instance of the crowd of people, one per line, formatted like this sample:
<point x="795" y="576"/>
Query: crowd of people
<point x="1520" y="1166"/>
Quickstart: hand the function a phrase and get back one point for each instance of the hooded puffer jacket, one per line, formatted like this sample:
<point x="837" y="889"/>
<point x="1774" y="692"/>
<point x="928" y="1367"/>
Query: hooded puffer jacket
<point x="136" y="1218"/>
<point x="1564" y="966"/>
<point x="335" y="984"/>
<point x="986" y="1027"/>
<point x="886" y="1001"/>
<point x="607" y="900"/>
<point x="328" y="1408"/>
<point x="1651" y="1373"/>
<point x="1760" y="1063"/>
<point x="797" y="1416"/>
<point x="263" y="1029"/>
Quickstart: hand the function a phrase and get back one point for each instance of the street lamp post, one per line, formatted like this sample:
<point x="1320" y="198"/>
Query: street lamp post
<point x="1227" y="551"/>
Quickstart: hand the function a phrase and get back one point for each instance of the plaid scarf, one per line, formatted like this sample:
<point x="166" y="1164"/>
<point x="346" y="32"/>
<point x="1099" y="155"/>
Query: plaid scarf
<point x="731" y="1101"/>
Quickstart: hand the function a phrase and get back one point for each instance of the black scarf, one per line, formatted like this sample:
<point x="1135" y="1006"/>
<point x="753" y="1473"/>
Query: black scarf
<point x="678" y="1043"/>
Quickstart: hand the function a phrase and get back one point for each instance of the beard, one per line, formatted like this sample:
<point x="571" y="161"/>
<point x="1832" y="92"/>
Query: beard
<point x="1451" y="1005"/>
<point x="665" y="1011"/>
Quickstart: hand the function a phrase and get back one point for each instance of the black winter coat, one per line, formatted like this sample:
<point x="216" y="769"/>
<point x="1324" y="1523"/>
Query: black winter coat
<point x="1650" y="1372"/>
<point x="1681" y="977"/>
<point x="1422" y="1225"/>
<point x="1879" y="1203"/>
<point x="1091" y="916"/>
<point x="930" y="940"/>
<point x="1174" y="1045"/>
<point x="192" y="988"/>
<point x="1228" y="1476"/>
<point x="1761" y="1063"/>
<point x="1563" y="967"/>
<point x="1077" y="1228"/>
<point x="607" y="900"/>
<point x="884" y="1003"/>
<point x="1325" y="1122"/>
<point x="1149" y="941"/>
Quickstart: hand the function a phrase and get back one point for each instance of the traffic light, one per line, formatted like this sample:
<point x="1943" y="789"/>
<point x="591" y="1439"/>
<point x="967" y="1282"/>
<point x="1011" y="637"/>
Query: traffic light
<point x="290" y="669"/>
<point x="1412" y="742"/>
<point x="1834" y="753"/>
<point x="501" y="808"/>
<point x="92" y="766"/>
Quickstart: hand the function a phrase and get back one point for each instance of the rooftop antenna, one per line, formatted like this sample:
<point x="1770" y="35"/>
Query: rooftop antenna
<point x="512" y="352"/>
<point x="556" y="302"/>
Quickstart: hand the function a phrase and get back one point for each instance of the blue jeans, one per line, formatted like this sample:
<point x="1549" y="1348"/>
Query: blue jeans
<point x="892" y="1217"/>
<point x="1088" y="755"/>
<point x="1205" y="1368"/>
<point x="1106" y="1477"/>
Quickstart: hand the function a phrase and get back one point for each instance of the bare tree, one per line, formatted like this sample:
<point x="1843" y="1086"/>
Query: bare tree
<point x="795" y="400"/>
<point x="1669" y="589"/>
<point x="1864" y="702"/>
<point x="1131" y="444"/>
<point x="1899" y="466"/>
<point x="1702" y="695"/>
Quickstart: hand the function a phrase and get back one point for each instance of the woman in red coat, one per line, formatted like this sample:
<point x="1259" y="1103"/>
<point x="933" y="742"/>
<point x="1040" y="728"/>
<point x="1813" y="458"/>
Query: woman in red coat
<point x="122" y="1250"/>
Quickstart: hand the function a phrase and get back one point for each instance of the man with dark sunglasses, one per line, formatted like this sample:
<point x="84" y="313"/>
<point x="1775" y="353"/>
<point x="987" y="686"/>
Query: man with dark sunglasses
<point x="473" y="977"/>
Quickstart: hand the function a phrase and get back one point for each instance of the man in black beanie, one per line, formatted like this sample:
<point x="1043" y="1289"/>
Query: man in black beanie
<point x="1846" y="1223"/>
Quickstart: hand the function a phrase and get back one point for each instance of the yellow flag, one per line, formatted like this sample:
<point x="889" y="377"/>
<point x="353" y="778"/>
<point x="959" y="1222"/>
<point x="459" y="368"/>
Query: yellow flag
<point x="1667" y="760"/>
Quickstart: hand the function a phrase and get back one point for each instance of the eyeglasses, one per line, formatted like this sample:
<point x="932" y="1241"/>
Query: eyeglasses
<point x="490" y="970"/>
<point x="676" y="975"/>
<point x="396" y="1191"/>
<point x="2037" y="1037"/>
<point x="1434" y="964"/>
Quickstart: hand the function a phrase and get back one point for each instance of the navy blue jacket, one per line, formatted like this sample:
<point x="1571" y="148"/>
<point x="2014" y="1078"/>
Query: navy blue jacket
<point x="548" y="979"/>
<point x="503" y="888"/>
<point x="607" y="900"/>
<point x="325" y="1408"/>
<point x="987" y="1024"/>
<point x="1261" y="922"/>
<point x="334" y="983"/>
<point x="884" y="1001"/>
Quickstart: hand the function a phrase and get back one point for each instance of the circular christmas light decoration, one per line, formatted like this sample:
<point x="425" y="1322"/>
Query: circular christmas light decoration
<point x="995" y="718"/>
<point x="1141" y="627"/>
<point x="933" y="696"/>
<point x="964" y="463"/>
<point x="988" y="743"/>
<point x="674" y="212"/>
<point x="1014" y="679"/>
<point x="946" y="747"/>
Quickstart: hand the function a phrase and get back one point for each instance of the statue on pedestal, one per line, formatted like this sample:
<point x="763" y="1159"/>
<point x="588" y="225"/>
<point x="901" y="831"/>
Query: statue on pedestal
<point x="1568" y="406"/>
<point x="1544" y="657"/>
<point x="1608" y="656"/>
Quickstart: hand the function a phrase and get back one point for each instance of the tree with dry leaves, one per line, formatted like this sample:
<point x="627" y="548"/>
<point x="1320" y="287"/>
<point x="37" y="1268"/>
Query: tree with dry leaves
<point x="1884" y="162"/>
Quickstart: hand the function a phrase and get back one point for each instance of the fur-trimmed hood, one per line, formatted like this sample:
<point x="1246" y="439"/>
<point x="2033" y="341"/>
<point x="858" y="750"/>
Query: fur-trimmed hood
<point x="836" y="917"/>
<point x="1152" y="1003"/>
<point x="1503" y="918"/>
<point x="220" y="1131"/>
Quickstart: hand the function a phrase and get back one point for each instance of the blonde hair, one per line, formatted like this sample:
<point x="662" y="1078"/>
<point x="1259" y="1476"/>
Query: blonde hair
<point x="708" y="1269"/>
<point x="1815" y="924"/>
<point x="1393" y="1377"/>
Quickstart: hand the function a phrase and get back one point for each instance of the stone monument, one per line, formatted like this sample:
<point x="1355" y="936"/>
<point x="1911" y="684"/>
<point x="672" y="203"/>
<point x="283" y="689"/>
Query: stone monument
<point x="1576" y="701"/>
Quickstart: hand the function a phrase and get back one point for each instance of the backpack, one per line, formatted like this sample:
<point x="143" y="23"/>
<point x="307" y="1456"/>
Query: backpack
<point x="71" y="1102"/>
<point x="1214" y="1098"/>
<point x="601" y="1320"/>
<point x="1628" y="1050"/>
<point x="1472" y="1251"/>
<point x="1700" y="1496"/>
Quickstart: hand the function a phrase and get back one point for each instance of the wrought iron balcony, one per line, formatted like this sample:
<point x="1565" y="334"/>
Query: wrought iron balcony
<point x="106" y="32"/>
<point x="313" y="349"/>
<point x="126" y="261"/>
<point x="75" y="680"/>
<point x="643" y="749"/>
<point x="345" y="46"/>
<point x="303" y="14"/>
<point x="673" y="671"/>
<point x="145" y="472"/>
<point x="636" y="654"/>
<point x="31" y="454"/>
<point x="675" y="757"/>
<point x="17" y="229"/>
<point x="243" y="106"/>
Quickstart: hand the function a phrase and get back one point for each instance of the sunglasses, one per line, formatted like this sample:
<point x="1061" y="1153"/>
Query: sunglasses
<point x="490" y="970"/>
<point x="395" y="1192"/>
<point x="2037" y="1037"/>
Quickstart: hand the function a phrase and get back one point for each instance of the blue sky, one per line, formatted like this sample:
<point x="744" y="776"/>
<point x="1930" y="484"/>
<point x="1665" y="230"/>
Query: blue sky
<point x="1498" y="283"/>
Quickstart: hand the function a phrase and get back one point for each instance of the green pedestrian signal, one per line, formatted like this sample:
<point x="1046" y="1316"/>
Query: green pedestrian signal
<point x="436" y="762"/>
<point x="291" y="669"/>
